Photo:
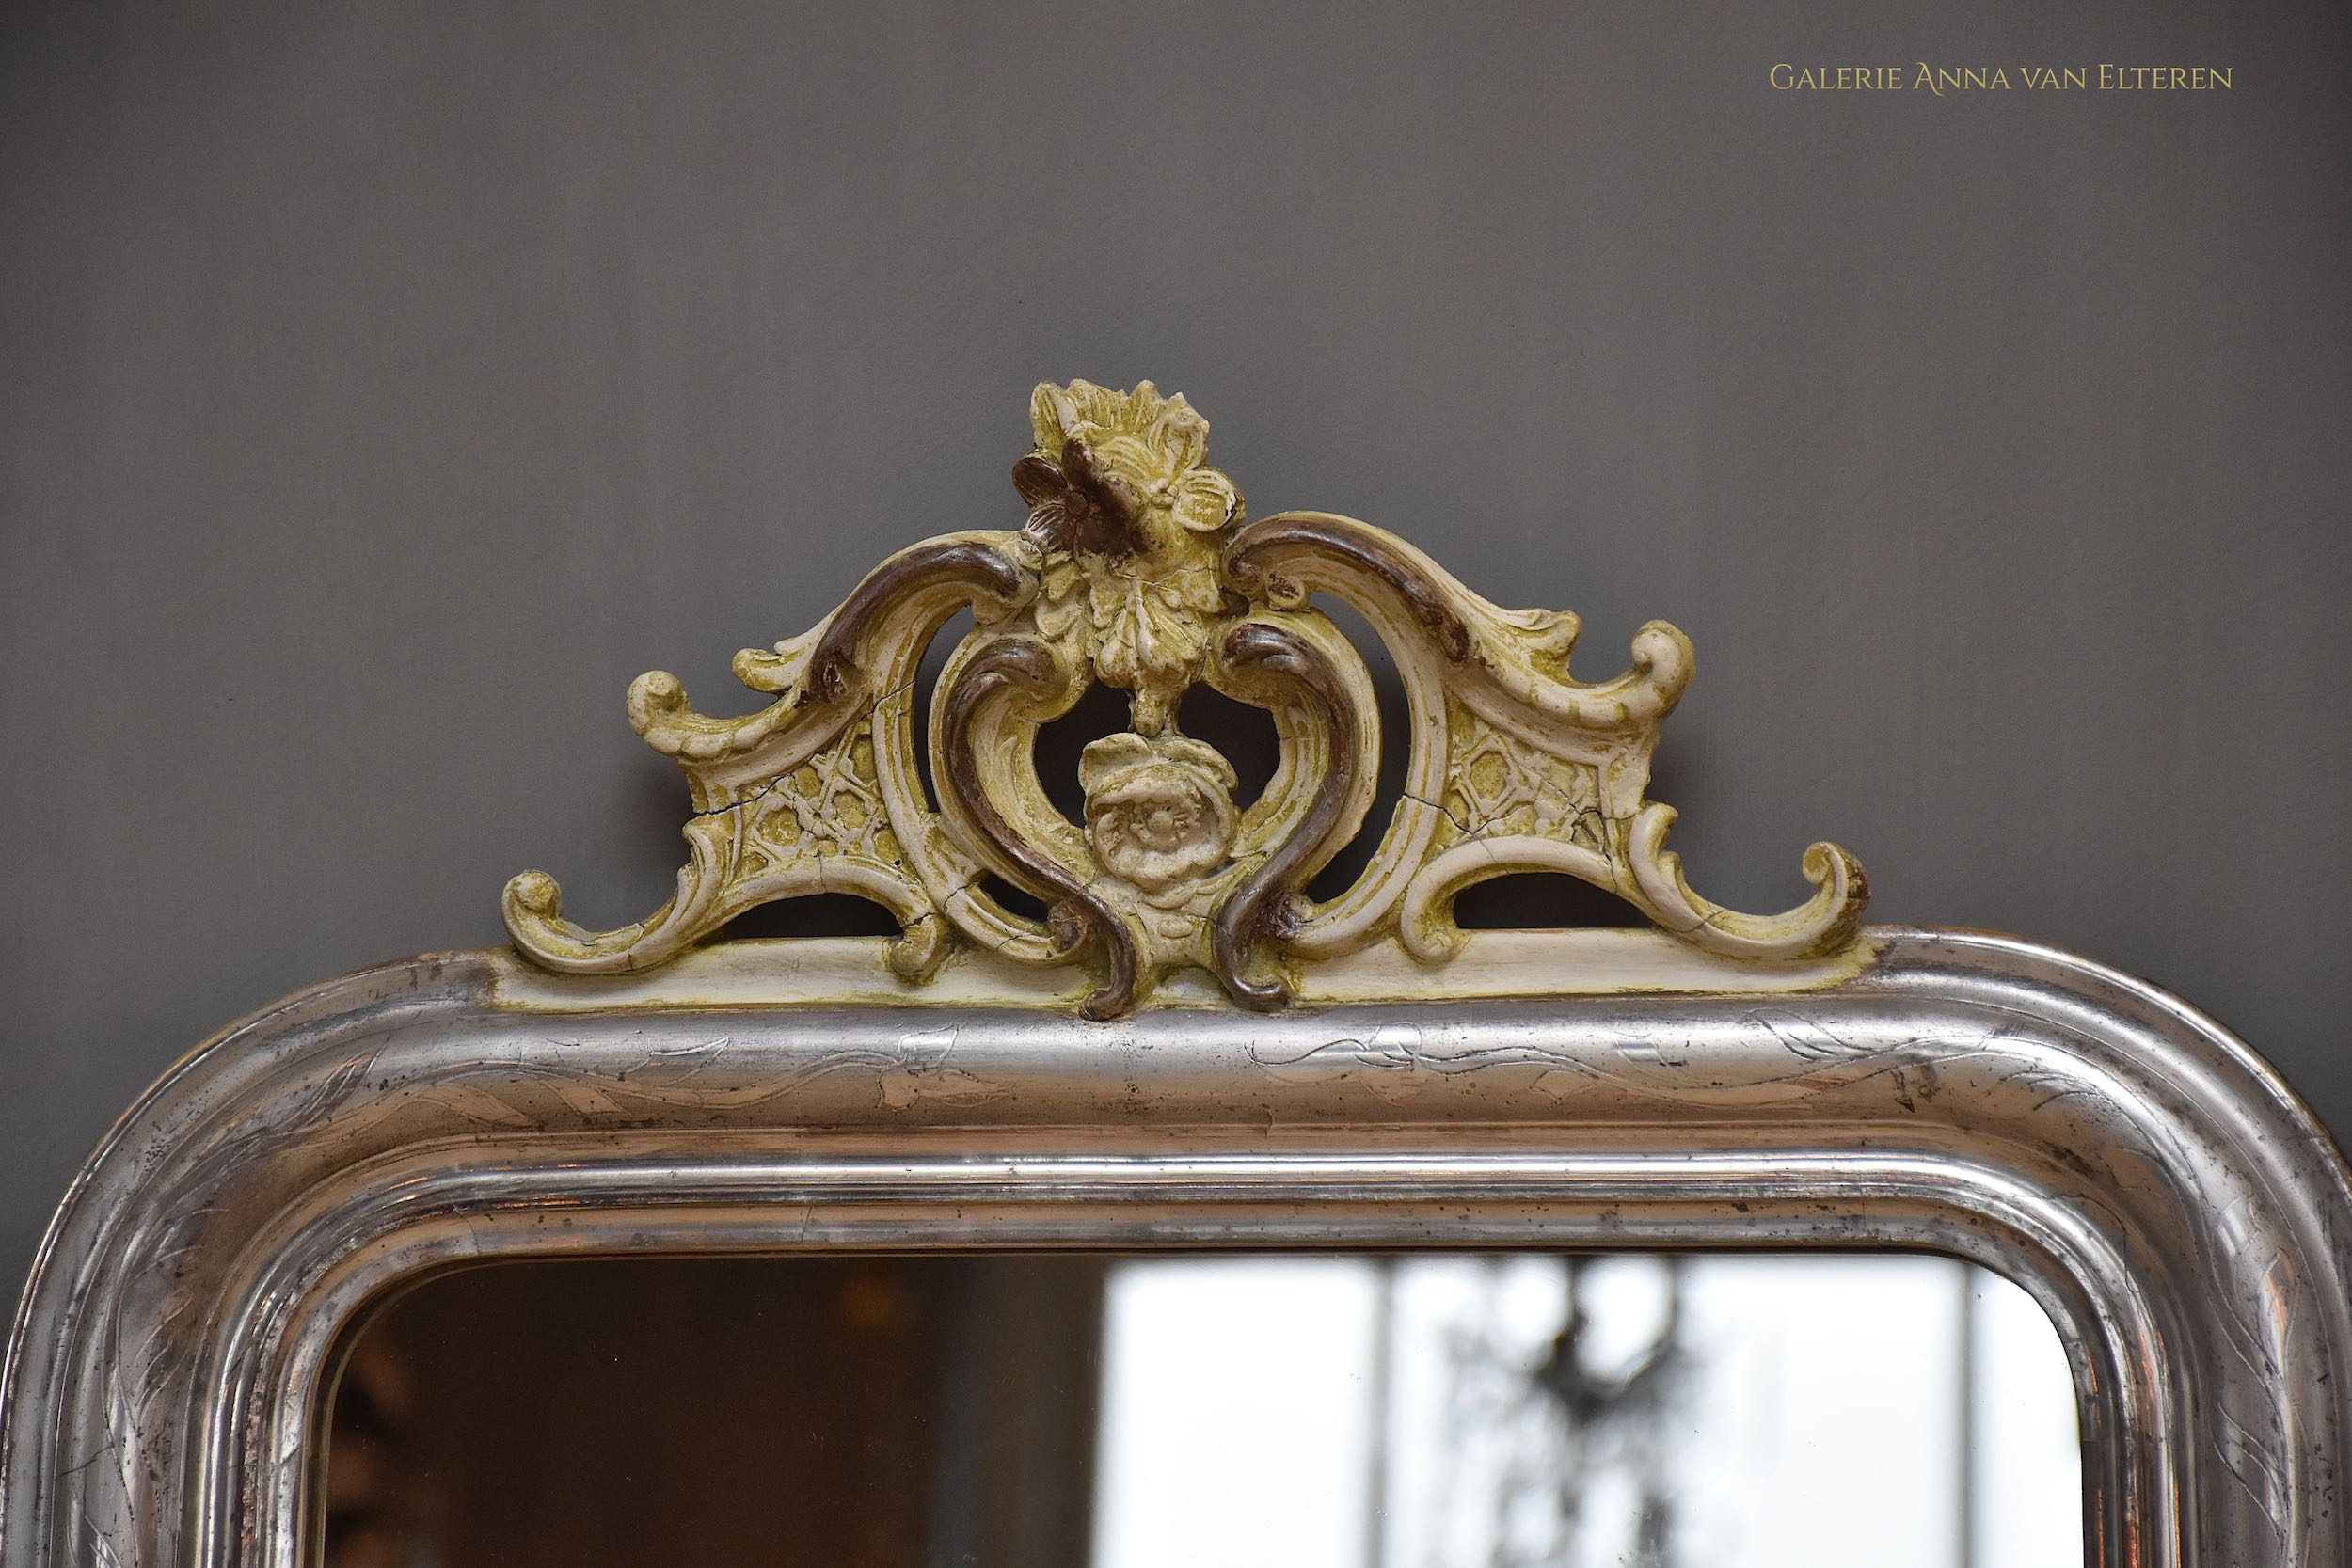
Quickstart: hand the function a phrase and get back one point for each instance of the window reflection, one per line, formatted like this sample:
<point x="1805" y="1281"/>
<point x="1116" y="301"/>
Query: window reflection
<point x="1541" y="1412"/>
<point x="1249" y="1411"/>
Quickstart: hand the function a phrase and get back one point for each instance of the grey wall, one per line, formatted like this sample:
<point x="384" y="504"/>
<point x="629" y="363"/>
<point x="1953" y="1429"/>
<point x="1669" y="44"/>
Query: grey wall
<point x="382" y="387"/>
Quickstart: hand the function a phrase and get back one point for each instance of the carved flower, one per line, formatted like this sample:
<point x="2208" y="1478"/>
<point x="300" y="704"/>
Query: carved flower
<point x="1159" y="811"/>
<point x="1078" y="503"/>
<point x="1120" y="500"/>
<point x="1155" y="446"/>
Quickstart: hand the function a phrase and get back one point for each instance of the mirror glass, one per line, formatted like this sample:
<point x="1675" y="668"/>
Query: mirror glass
<point x="1245" y="1410"/>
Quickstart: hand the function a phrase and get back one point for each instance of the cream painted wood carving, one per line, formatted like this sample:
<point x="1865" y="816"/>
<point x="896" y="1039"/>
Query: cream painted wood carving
<point x="1136" y="570"/>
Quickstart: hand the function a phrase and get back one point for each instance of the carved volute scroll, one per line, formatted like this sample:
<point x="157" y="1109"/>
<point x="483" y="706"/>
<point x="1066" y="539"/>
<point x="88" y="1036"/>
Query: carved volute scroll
<point x="1136" y="570"/>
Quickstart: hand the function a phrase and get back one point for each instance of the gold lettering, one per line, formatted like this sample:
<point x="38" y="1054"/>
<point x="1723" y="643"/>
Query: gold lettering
<point x="1785" y="77"/>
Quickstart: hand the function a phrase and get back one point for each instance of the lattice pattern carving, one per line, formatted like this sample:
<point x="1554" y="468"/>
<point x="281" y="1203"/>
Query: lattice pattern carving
<point x="1499" y="785"/>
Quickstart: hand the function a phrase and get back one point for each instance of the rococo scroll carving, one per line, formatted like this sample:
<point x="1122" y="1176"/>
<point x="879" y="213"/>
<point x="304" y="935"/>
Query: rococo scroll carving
<point x="1136" y="570"/>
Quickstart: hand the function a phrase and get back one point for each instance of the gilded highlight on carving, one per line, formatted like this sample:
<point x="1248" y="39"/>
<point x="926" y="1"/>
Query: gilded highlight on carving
<point x="1136" y="570"/>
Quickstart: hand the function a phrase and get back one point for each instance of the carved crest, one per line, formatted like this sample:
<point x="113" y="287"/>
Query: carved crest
<point x="1136" y="570"/>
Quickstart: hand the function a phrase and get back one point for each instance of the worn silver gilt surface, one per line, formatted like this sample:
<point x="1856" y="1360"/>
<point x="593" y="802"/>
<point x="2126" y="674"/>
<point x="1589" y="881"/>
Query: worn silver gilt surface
<point x="2146" y="1177"/>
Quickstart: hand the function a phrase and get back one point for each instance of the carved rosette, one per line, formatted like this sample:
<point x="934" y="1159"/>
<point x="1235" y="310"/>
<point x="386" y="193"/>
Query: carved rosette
<point x="1136" y="570"/>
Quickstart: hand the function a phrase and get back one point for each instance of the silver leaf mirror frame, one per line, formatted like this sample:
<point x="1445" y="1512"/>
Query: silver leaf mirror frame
<point x="1188" y="1051"/>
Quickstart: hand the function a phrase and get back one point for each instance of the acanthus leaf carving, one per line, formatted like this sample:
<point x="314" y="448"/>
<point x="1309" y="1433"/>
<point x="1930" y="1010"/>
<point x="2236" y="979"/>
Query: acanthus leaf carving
<point x="1136" y="569"/>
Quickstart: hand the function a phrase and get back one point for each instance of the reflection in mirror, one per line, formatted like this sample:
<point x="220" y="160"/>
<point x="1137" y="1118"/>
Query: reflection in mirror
<point x="1516" y="1410"/>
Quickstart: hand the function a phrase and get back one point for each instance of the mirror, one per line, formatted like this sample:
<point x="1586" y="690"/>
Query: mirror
<point x="1250" y="1410"/>
<point x="1126" y="1018"/>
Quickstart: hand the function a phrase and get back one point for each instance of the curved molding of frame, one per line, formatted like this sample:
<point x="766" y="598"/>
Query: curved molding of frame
<point x="2182" y="1217"/>
<point x="1136" y="570"/>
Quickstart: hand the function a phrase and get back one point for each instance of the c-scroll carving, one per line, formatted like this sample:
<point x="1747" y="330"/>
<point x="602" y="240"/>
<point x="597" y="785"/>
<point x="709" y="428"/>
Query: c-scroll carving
<point x="1134" y="570"/>
<point x="808" y="794"/>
